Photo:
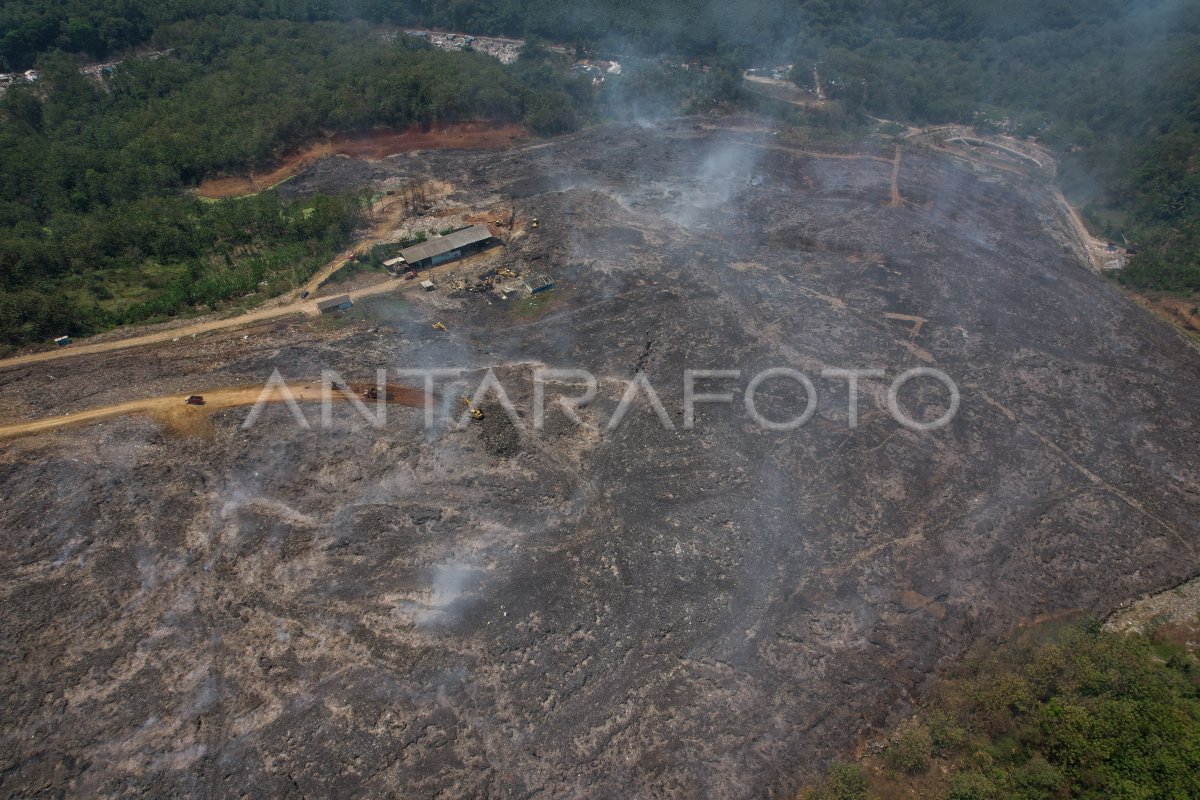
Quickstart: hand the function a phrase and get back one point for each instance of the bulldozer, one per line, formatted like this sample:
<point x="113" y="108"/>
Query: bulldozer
<point x="475" y="411"/>
<point x="438" y="326"/>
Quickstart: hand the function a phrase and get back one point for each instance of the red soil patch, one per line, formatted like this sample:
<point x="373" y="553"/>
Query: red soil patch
<point x="1176" y="310"/>
<point x="370" y="145"/>
<point x="383" y="143"/>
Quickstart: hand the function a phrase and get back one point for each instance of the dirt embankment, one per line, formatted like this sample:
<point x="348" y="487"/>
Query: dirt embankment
<point x="1180" y="311"/>
<point x="371" y="145"/>
<point x="1173" y="614"/>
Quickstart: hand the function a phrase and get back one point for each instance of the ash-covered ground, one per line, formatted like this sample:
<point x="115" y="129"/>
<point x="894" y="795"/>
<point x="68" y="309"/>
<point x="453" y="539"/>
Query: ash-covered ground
<point x="638" y="612"/>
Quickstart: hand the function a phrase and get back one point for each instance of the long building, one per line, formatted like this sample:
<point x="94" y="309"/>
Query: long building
<point x="450" y="247"/>
<point x="339" y="303"/>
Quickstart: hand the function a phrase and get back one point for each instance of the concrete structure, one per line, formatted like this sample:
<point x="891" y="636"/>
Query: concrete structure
<point x="339" y="303"/>
<point x="450" y="247"/>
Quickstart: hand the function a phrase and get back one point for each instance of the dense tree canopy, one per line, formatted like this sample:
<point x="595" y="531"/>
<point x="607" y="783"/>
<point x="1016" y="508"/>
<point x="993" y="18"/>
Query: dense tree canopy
<point x="96" y="228"/>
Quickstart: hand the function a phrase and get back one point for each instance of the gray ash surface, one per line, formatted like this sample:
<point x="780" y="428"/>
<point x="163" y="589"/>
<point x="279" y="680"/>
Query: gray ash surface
<point x="499" y="612"/>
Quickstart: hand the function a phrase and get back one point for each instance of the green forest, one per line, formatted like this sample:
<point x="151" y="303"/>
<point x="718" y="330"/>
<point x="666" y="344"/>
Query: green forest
<point x="1059" y="711"/>
<point x="97" y="228"/>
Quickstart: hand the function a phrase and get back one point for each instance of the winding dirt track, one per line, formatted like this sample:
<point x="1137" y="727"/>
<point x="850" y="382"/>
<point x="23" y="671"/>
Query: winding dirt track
<point x="173" y="411"/>
<point x="896" y="198"/>
<point x="308" y="307"/>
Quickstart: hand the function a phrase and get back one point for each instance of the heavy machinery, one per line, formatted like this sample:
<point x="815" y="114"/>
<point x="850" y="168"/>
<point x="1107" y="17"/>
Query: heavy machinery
<point x="506" y="273"/>
<point x="475" y="412"/>
<point x="533" y="223"/>
<point x="437" y="326"/>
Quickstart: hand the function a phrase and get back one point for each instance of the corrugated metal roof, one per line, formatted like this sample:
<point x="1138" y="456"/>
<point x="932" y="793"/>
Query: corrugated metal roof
<point x="334" y="302"/>
<point x="444" y="244"/>
<point x="537" y="280"/>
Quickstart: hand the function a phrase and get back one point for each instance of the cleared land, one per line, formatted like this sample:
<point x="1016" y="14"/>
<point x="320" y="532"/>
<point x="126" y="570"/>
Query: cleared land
<point x="598" y="613"/>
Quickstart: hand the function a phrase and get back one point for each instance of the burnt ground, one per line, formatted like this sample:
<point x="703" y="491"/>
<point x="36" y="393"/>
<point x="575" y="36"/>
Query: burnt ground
<point x="631" y="613"/>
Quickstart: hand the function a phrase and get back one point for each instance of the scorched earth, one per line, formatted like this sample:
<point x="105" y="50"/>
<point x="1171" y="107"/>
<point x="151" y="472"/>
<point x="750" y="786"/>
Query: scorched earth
<point x="647" y="611"/>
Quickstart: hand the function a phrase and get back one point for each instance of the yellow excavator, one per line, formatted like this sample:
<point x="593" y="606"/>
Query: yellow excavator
<point x="437" y="326"/>
<point x="475" y="412"/>
<point x="506" y="273"/>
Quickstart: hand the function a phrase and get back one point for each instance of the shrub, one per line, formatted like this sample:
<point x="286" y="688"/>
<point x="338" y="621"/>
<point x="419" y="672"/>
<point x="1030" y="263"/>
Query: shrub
<point x="971" y="786"/>
<point x="842" y="782"/>
<point x="1037" y="778"/>
<point x="910" y="749"/>
<point x="945" y="732"/>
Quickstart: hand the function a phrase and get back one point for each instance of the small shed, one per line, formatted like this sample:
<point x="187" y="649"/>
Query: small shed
<point x="536" y="284"/>
<point x="63" y="341"/>
<point x="428" y="286"/>
<point x="339" y="303"/>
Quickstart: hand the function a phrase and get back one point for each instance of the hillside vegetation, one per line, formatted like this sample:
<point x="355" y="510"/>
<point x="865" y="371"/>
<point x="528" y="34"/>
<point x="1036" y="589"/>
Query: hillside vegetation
<point x="1059" y="712"/>
<point x="95" y="228"/>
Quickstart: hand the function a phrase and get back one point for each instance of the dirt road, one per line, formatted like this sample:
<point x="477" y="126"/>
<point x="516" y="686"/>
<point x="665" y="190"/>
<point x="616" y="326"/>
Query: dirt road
<point x="1092" y="248"/>
<point x="173" y="411"/>
<point x="896" y="198"/>
<point x="308" y="307"/>
<point x="268" y="312"/>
